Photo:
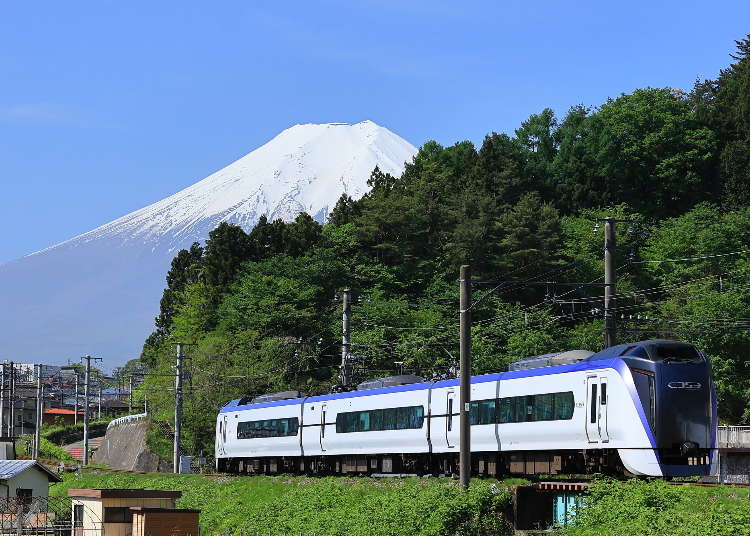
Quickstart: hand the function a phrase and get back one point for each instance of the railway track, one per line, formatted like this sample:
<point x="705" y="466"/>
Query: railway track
<point x="578" y="480"/>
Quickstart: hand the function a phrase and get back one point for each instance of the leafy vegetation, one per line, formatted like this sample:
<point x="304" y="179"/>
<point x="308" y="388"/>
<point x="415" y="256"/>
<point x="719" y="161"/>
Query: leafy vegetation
<point x="47" y="449"/>
<point x="64" y="434"/>
<point x="328" y="506"/>
<point x="640" y="508"/>
<point x="259" y="308"/>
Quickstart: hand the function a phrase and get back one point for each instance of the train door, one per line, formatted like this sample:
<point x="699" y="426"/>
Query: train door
<point x="596" y="409"/>
<point x="323" y="441"/>
<point x="451" y="426"/>
<point x="221" y="436"/>
<point x="603" y="403"/>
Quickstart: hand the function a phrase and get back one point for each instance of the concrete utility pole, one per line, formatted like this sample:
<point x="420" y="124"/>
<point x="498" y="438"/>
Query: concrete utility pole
<point x="346" y="317"/>
<point x="130" y="394"/>
<point x="99" y="399"/>
<point x="12" y="402"/>
<point x="610" y="282"/>
<point x="465" y="376"/>
<point x="88" y="359"/>
<point x="2" y="398"/>
<point x="177" y="409"/>
<point x="75" y="415"/>
<point x="39" y="409"/>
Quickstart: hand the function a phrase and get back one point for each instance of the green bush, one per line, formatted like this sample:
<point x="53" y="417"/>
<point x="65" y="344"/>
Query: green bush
<point x="157" y="442"/>
<point x="47" y="449"/>
<point x="641" y="508"/>
<point x="70" y="433"/>
<point x="324" y="506"/>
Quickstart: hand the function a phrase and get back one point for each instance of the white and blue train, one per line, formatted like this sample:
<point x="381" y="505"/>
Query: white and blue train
<point x="646" y="408"/>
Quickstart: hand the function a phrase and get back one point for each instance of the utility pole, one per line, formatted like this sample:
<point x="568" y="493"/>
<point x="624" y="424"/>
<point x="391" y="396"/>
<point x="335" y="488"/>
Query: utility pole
<point x="99" y="399"/>
<point x="12" y="401"/>
<point x="39" y="409"/>
<point x="465" y="375"/>
<point x="346" y="300"/>
<point x="2" y="398"/>
<point x="75" y="415"/>
<point x="88" y="359"/>
<point x="177" y="409"/>
<point x="610" y="281"/>
<point x="130" y="395"/>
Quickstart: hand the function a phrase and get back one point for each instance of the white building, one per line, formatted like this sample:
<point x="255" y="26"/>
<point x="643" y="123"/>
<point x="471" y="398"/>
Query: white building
<point x="25" y="478"/>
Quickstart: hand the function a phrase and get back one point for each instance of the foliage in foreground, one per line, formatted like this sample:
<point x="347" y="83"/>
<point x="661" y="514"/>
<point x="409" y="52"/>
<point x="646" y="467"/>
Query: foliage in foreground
<point x="327" y="506"/>
<point x="639" y="508"/>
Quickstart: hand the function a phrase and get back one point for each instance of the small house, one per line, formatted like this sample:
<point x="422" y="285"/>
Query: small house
<point x="25" y="479"/>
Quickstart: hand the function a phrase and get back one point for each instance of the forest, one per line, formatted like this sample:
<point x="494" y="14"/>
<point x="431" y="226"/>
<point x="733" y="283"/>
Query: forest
<point x="260" y="311"/>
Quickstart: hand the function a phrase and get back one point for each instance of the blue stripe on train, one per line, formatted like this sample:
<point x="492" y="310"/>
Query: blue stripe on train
<point x="512" y="375"/>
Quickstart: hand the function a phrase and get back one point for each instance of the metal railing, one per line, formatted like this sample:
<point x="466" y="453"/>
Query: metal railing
<point x="44" y="516"/>
<point x="127" y="419"/>
<point x="734" y="437"/>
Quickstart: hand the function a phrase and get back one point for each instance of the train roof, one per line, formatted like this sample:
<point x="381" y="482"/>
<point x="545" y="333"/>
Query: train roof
<point x="606" y="358"/>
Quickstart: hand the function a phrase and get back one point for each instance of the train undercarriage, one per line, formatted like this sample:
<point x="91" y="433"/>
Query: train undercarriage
<point x="488" y="464"/>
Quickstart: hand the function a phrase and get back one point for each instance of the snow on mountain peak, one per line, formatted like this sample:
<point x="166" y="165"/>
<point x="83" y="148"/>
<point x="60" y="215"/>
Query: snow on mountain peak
<point x="99" y="292"/>
<point x="304" y="168"/>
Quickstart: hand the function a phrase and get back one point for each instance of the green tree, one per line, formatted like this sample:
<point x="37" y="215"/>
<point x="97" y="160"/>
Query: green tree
<point x="646" y="149"/>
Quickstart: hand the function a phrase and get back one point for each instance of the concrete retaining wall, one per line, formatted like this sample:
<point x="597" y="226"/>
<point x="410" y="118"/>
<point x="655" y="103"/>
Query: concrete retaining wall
<point x="124" y="447"/>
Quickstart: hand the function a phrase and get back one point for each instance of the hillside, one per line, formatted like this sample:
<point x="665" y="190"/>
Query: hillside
<point x="262" y="309"/>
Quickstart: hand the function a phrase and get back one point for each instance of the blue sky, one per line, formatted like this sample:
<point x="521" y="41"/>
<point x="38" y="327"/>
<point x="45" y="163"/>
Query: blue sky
<point x="108" y="106"/>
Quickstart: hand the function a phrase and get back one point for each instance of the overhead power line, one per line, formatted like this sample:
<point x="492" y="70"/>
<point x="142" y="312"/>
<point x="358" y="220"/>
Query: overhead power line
<point x="688" y="259"/>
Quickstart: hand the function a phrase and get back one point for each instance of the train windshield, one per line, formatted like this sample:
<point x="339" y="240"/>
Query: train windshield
<point x="675" y="353"/>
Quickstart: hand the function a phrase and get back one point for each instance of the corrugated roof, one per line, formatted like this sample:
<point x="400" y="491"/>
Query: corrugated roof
<point x="11" y="468"/>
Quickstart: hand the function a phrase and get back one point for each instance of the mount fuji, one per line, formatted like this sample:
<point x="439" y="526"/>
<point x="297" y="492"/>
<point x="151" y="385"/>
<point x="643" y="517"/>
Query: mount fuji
<point x="98" y="293"/>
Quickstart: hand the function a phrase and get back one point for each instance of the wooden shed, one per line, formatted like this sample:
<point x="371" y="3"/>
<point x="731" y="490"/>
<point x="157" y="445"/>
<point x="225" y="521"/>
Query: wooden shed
<point x="164" y="522"/>
<point x="109" y="510"/>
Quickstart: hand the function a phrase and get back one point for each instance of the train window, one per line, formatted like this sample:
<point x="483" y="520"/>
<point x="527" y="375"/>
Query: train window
<point x="564" y="405"/>
<point x="544" y="407"/>
<point x="528" y="408"/>
<point x="675" y="353"/>
<point x="450" y="414"/>
<point x="604" y="394"/>
<point x="483" y="412"/>
<point x="268" y="428"/>
<point x="593" y="402"/>
<point x="505" y="412"/>
<point x="377" y="420"/>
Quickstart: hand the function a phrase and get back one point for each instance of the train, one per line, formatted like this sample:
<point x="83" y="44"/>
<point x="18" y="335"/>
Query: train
<point x="639" y="409"/>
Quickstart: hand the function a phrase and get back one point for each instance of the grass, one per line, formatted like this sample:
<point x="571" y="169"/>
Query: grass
<point x="323" y="506"/>
<point x="656" y="508"/>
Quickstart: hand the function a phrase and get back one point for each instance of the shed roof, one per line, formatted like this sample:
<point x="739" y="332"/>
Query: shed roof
<point x="12" y="468"/>
<point x="125" y="493"/>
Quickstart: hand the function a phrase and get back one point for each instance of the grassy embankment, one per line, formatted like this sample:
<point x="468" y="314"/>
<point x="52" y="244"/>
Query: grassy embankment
<point x="286" y="505"/>
<point x="656" y="508"/>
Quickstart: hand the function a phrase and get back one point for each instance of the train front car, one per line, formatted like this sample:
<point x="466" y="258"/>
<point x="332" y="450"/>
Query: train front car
<point x="670" y="384"/>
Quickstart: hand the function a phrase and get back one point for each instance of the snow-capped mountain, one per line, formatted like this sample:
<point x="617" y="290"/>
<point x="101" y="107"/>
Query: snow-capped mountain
<point x="99" y="292"/>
